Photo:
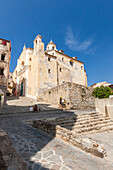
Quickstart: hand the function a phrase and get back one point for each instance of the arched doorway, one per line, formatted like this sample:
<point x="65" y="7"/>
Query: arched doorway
<point x="22" y="87"/>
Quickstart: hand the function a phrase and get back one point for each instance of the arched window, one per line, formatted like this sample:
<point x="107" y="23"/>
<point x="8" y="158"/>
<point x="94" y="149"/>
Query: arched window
<point x="22" y="64"/>
<point x="71" y="63"/>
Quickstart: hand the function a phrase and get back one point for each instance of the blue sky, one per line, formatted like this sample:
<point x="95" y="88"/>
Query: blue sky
<point x="82" y="28"/>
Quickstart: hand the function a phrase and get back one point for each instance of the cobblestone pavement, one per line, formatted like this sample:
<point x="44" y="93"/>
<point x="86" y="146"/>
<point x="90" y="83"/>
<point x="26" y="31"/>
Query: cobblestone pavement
<point x="41" y="151"/>
<point x="106" y="138"/>
<point x="23" y="104"/>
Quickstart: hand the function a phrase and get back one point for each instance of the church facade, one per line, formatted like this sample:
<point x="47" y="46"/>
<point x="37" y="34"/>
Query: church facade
<point x="38" y="69"/>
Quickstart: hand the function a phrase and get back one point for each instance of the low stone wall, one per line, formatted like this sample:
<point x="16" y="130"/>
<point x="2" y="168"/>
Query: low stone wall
<point x="85" y="144"/>
<point x="76" y="96"/>
<point x="105" y="106"/>
<point x="4" y="89"/>
<point x="9" y="158"/>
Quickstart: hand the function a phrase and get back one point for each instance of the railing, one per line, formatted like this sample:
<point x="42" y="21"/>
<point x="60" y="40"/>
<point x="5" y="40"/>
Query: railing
<point x="23" y="70"/>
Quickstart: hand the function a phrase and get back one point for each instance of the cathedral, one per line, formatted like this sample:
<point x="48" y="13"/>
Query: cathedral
<point x="39" y="69"/>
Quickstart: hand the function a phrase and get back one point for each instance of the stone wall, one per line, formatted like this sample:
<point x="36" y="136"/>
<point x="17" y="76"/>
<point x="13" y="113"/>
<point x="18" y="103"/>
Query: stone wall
<point x="2" y="162"/>
<point x="105" y="106"/>
<point x="76" y="96"/>
<point x="10" y="159"/>
<point x="86" y="144"/>
<point x="4" y="89"/>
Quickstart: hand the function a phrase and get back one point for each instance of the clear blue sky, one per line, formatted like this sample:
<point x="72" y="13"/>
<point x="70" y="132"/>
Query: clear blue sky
<point x="82" y="28"/>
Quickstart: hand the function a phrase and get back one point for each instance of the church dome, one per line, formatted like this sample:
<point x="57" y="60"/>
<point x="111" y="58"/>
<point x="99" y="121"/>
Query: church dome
<point x="51" y="46"/>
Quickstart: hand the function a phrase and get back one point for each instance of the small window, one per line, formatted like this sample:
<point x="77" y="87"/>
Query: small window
<point x="1" y="71"/>
<point x="8" y="83"/>
<point x="52" y="53"/>
<point x="30" y="59"/>
<point x="22" y="64"/>
<point x="82" y="67"/>
<point x="60" y="69"/>
<point x="49" y="92"/>
<point x="49" y="71"/>
<point x="49" y="59"/>
<point x="53" y="48"/>
<point x="62" y="59"/>
<point x="71" y="63"/>
<point x="2" y="57"/>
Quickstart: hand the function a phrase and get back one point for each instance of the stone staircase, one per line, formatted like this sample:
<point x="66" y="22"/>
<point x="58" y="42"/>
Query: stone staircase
<point x="74" y="130"/>
<point x="85" y="124"/>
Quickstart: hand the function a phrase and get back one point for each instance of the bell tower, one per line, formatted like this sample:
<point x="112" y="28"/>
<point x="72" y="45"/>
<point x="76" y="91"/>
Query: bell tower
<point x="38" y="44"/>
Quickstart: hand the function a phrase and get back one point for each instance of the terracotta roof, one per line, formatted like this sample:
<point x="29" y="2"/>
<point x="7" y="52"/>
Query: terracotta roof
<point x="69" y="57"/>
<point x="30" y="48"/>
<point x="37" y="37"/>
<point x="4" y="39"/>
<point x="50" y="55"/>
<point x="104" y="82"/>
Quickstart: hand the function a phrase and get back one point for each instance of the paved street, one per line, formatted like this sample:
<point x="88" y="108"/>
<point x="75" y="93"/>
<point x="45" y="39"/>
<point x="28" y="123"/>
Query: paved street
<point x="41" y="151"/>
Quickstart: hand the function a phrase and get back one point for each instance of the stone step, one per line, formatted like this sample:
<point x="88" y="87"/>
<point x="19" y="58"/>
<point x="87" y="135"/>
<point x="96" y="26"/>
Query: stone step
<point x="72" y="123"/>
<point x="79" y="121"/>
<point x="92" y="124"/>
<point x="97" y="127"/>
<point x="103" y="129"/>
<point x="63" y="119"/>
<point x="87" y="114"/>
<point x="92" y="117"/>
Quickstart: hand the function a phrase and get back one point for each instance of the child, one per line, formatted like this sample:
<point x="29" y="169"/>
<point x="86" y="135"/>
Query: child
<point x="35" y="108"/>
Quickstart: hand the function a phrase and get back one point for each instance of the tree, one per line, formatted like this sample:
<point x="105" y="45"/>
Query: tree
<point x="102" y="92"/>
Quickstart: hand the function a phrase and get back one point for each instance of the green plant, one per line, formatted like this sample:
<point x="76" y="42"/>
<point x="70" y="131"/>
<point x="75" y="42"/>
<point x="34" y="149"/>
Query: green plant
<point x="102" y="92"/>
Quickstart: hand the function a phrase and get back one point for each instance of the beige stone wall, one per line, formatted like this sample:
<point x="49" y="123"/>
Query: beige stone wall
<point x="10" y="83"/>
<point x="74" y="74"/>
<point x="76" y="96"/>
<point x="47" y="72"/>
<point x="105" y="106"/>
<point x="14" y="77"/>
<point x="33" y="76"/>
